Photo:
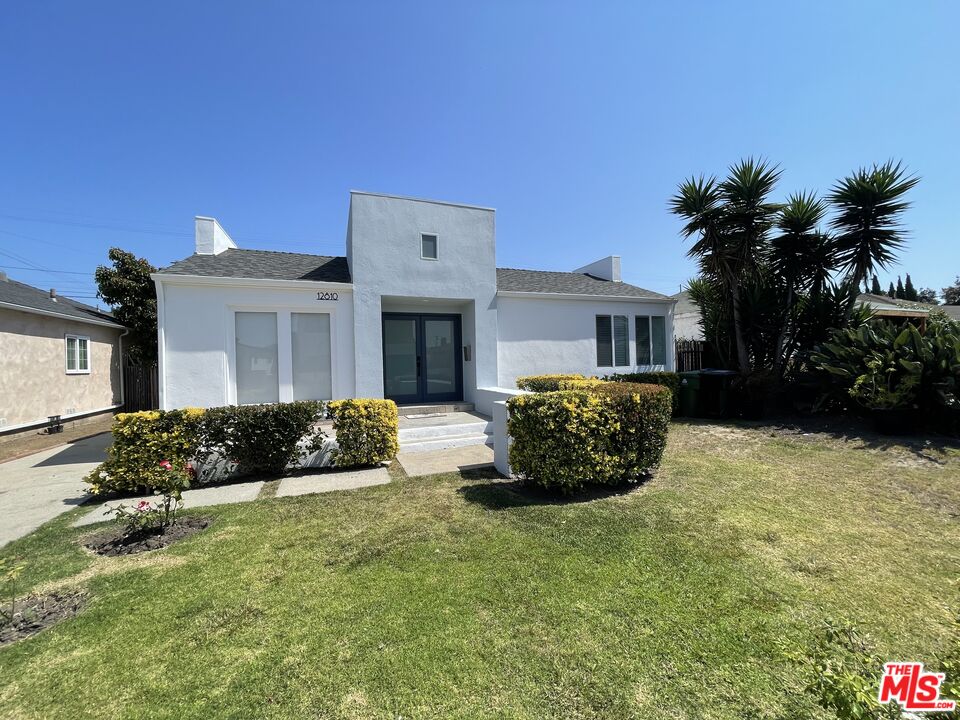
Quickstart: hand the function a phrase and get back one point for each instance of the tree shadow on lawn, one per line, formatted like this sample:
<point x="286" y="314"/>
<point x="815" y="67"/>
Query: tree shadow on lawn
<point x="502" y="494"/>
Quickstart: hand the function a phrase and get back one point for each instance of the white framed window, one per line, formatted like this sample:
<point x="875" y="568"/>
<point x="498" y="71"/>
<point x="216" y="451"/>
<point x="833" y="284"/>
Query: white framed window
<point x="77" y="355"/>
<point x="258" y="379"/>
<point x="429" y="246"/>
<point x="613" y="341"/>
<point x="651" y="340"/>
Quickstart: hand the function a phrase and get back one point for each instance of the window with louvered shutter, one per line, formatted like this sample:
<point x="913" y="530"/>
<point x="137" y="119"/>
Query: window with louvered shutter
<point x="604" y="341"/>
<point x="643" y="339"/>
<point x="658" y="338"/>
<point x="621" y="340"/>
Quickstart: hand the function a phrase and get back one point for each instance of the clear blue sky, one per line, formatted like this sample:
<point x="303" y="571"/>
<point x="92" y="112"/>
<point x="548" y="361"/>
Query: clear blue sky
<point x="120" y="121"/>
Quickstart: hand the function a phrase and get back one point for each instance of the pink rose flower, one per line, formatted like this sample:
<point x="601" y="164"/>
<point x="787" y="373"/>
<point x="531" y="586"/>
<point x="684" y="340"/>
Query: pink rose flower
<point x="166" y="465"/>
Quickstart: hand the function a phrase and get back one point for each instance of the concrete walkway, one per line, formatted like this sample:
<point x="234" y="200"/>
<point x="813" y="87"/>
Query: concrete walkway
<point x="455" y="459"/>
<point x="37" y="488"/>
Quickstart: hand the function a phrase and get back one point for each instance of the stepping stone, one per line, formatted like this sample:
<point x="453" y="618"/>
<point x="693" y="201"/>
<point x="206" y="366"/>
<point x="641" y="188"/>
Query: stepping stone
<point x="434" y="462"/>
<point x="200" y="497"/>
<point x="330" y="481"/>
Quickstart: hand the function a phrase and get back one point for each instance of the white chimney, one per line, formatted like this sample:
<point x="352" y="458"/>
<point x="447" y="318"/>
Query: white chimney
<point x="607" y="268"/>
<point x="211" y="238"/>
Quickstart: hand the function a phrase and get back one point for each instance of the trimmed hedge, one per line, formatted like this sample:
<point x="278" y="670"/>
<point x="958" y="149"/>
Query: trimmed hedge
<point x="367" y="431"/>
<point x="608" y="434"/>
<point x="263" y="438"/>
<point x="667" y="379"/>
<point x="546" y="383"/>
<point x="249" y="439"/>
<point x="140" y="441"/>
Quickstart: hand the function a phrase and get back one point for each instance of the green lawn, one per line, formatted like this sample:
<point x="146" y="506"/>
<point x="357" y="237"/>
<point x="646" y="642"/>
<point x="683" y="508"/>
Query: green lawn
<point x="461" y="597"/>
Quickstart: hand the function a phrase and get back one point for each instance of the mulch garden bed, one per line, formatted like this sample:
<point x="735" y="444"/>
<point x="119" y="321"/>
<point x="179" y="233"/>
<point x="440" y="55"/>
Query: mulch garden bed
<point x="116" y="542"/>
<point x="37" y="612"/>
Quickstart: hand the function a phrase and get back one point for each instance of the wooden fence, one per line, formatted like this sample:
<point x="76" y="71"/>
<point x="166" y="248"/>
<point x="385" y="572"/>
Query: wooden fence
<point x="690" y="354"/>
<point x="141" y="388"/>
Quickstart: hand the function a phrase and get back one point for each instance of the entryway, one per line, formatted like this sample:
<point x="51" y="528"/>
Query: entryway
<point x="421" y="358"/>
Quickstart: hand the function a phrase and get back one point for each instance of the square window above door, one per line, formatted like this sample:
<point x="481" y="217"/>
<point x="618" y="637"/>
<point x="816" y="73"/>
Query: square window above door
<point x="429" y="246"/>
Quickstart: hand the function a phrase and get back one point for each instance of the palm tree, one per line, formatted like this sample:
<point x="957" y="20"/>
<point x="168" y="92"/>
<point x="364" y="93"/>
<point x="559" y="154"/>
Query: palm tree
<point x="732" y="220"/>
<point x="869" y="205"/>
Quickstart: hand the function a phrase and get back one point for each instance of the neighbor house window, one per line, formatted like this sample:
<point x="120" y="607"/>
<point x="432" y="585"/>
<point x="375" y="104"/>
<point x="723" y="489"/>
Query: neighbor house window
<point x="78" y="354"/>
<point x="651" y="340"/>
<point x="429" y="246"/>
<point x="258" y="380"/>
<point x="613" y="340"/>
<point x="310" y="340"/>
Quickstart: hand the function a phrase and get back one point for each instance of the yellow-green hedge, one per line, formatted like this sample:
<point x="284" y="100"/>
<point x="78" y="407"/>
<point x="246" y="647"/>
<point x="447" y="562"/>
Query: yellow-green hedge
<point x="605" y="433"/>
<point x="141" y="440"/>
<point x="548" y="383"/>
<point x="367" y="431"/>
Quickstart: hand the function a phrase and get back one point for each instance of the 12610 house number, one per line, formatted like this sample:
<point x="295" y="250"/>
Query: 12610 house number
<point x="328" y="296"/>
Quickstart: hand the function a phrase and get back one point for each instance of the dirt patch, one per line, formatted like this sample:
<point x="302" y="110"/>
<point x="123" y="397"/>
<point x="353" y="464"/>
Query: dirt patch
<point x="115" y="542"/>
<point x="37" y="612"/>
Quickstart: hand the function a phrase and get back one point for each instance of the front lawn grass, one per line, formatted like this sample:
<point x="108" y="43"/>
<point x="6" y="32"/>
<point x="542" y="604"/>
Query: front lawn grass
<point x="466" y="597"/>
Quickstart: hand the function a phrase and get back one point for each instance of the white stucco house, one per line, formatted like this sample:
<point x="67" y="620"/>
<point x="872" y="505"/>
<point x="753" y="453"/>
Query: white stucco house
<point x="416" y="311"/>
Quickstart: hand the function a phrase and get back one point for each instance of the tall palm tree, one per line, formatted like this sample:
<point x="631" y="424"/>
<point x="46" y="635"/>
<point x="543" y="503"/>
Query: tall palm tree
<point x="869" y="205"/>
<point x="732" y="220"/>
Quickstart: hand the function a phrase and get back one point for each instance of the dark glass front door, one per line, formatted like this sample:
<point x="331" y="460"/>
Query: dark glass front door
<point x="421" y="358"/>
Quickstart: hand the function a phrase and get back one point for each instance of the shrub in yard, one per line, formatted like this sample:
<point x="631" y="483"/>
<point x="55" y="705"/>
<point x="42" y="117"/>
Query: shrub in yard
<point x="546" y="383"/>
<point x="140" y="441"/>
<point x="606" y="433"/>
<point x="263" y="438"/>
<point x="367" y="431"/>
<point x="667" y="379"/>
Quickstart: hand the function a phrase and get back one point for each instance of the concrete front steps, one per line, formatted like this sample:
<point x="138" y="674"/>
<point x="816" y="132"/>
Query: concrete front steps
<point x="443" y="431"/>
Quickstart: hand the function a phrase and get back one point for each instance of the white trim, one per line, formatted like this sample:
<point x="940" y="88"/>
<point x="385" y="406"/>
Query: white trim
<point x="172" y="279"/>
<point x="72" y="416"/>
<point x="436" y="240"/>
<point x="161" y="346"/>
<point x="581" y="296"/>
<point x="66" y="359"/>
<point x="51" y="313"/>
<point x="284" y="356"/>
<point x="423" y="200"/>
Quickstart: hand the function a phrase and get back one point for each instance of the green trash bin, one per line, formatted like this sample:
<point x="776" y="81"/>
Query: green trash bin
<point x="689" y="393"/>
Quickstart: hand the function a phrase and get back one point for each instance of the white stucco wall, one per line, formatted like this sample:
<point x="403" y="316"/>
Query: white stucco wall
<point x="687" y="326"/>
<point x="383" y="246"/>
<point x="197" y="335"/>
<point x="540" y="335"/>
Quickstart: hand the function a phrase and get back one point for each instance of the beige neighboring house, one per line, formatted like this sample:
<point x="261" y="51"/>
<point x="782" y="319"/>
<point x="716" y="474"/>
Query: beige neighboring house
<point x="57" y="357"/>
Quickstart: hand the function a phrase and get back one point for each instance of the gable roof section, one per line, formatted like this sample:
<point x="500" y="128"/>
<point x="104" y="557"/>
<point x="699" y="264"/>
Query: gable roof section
<point x="16" y="295"/>
<point x="568" y="283"/>
<point x="263" y="265"/>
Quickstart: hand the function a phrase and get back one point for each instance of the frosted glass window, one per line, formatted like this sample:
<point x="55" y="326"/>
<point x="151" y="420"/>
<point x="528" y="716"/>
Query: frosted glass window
<point x="257" y="378"/>
<point x="310" y="336"/>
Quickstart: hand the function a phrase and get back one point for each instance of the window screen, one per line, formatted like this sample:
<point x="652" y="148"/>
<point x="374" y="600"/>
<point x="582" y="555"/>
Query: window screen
<point x="310" y="339"/>
<point x="643" y="339"/>
<point x="604" y="342"/>
<point x="428" y="247"/>
<point x="257" y="377"/>
<point x="621" y="340"/>
<point x="659" y="339"/>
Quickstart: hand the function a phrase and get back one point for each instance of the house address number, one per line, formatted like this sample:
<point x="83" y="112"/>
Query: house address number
<point x="328" y="296"/>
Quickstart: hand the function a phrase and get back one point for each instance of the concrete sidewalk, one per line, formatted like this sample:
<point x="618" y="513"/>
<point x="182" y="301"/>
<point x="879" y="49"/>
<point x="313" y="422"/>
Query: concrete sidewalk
<point x="37" y="488"/>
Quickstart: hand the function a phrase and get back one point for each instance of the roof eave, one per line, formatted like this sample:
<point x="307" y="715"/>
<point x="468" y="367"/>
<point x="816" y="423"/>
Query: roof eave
<point x="60" y="315"/>
<point x="221" y="281"/>
<point x="584" y="296"/>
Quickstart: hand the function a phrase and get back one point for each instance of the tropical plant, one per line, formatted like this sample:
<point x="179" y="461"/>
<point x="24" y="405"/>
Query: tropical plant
<point x="869" y="204"/>
<point x="131" y="293"/>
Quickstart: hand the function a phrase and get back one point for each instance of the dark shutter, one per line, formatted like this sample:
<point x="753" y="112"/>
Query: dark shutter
<point x="643" y="340"/>
<point x="621" y="340"/>
<point x="604" y="342"/>
<point x="659" y="333"/>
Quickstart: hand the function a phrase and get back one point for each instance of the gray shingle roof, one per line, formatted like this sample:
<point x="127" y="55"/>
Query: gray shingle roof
<point x="264" y="265"/>
<point x="27" y="296"/>
<point x="568" y="283"/>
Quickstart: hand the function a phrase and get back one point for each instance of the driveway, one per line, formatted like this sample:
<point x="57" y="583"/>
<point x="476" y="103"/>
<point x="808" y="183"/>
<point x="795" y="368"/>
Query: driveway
<point x="37" y="488"/>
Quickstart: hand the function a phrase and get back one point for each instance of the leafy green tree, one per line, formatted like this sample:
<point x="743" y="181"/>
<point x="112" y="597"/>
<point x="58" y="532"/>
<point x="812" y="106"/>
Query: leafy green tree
<point x="928" y="295"/>
<point x="869" y="206"/>
<point x="900" y="290"/>
<point x="128" y="289"/>
<point x="951" y="294"/>
<point x="909" y="291"/>
<point x="875" y="286"/>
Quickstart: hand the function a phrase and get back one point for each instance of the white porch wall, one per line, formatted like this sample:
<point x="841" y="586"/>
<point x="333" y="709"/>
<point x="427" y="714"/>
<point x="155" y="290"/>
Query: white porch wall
<point x="540" y="335"/>
<point x="198" y="332"/>
<point x="383" y="246"/>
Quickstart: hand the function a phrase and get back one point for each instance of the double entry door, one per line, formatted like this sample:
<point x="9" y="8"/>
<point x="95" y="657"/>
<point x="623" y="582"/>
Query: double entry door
<point x="421" y="358"/>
